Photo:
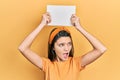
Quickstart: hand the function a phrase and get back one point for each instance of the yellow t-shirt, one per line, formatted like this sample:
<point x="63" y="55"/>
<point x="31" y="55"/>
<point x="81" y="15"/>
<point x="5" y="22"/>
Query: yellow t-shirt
<point x="66" y="70"/>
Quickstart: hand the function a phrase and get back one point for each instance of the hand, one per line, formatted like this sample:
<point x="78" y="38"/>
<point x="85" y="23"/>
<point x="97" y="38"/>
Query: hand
<point x="46" y="18"/>
<point x="75" y="20"/>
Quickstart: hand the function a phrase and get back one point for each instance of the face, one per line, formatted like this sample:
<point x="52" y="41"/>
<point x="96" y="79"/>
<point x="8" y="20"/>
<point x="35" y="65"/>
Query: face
<point x="62" y="48"/>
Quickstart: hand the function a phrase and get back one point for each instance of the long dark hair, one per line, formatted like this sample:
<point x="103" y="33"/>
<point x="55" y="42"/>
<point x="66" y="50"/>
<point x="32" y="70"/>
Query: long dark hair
<point x="61" y="33"/>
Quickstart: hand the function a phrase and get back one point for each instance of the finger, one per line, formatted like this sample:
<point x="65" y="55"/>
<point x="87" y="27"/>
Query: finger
<point x="48" y="21"/>
<point x="48" y="14"/>
<point x="73" y="15"/>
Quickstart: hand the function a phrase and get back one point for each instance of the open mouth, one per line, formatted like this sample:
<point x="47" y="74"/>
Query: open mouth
<point x="65" y="55"/>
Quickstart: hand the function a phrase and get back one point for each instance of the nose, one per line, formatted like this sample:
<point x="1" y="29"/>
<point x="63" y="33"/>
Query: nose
<point x="66" y="47"/>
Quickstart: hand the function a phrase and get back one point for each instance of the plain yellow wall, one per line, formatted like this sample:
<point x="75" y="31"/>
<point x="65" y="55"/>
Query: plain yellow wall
<point x="19" y="17"/>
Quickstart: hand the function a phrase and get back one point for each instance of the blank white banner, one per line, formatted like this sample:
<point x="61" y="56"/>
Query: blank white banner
<point x="61" y="14"/>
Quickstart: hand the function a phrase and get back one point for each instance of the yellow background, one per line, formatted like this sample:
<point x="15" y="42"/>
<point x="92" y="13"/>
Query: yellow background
<point x="19" y="17"/>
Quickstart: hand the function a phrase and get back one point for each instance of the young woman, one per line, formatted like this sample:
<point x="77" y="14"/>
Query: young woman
<point x="61" y="64"/>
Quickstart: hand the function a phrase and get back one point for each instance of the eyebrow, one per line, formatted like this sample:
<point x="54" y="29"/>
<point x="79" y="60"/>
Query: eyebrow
<point x="64" y="42"/>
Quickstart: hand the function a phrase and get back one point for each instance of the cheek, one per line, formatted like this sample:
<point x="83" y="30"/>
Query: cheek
<point x="70" y="47"/>
<point x="58" y="50"/>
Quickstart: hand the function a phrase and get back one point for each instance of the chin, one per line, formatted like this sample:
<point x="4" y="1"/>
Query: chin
<point x="65" y="59"/>
<point x="62" y="59"/>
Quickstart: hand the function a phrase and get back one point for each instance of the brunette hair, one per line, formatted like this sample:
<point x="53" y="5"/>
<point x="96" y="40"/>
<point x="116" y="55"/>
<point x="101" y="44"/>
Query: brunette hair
<point x="61" y="33"/>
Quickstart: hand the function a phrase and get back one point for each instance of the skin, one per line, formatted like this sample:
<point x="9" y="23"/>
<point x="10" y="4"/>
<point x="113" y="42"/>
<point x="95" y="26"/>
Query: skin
<point x="62" y="48"/>
<point x="89" y="57"/>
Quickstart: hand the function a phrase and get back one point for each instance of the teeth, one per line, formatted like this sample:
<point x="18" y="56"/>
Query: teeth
<point x="65" y="53"/>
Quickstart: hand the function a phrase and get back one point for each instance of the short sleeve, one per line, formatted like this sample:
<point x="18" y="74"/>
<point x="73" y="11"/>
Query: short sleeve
<point x="78" y="63"/>
<point x="45" y="64"/>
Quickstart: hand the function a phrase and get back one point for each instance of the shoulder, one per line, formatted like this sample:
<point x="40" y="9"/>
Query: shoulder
<point x="76" y="61"/>
<point x="75" y="58"/>
<point x="45" y="63"/>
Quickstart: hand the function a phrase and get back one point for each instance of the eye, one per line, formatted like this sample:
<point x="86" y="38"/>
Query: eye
<point x="61" y="45"/>
<point x="69" y="44"/>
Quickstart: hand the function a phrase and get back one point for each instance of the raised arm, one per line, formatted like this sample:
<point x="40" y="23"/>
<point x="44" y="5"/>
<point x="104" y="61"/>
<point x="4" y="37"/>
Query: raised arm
<point x="24" y="47"/>
<point x="98" y="47"/>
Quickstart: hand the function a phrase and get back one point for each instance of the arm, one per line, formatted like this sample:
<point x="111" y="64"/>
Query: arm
<point x="24" y="47"/>
<point x="98" y="47"/>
